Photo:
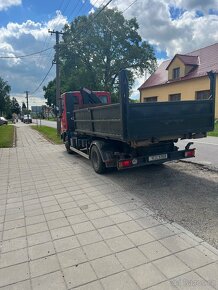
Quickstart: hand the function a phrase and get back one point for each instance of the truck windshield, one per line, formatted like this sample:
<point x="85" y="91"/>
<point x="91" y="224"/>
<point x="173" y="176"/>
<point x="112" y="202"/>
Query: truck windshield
<point x="103" y="99"/>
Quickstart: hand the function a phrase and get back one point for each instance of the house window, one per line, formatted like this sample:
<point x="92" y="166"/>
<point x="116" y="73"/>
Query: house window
<point x="176" y="73"/>
<point x="174" y="97"/>
<point x="150" y="99"/>
<point x="202" y="95"/>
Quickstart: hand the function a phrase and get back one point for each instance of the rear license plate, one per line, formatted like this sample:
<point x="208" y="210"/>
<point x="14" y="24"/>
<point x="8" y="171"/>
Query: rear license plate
<point x="157" y="157"/>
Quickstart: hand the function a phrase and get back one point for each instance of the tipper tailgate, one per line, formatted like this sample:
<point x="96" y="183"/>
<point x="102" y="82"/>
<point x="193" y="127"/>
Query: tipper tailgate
<point x="162" y="119"/>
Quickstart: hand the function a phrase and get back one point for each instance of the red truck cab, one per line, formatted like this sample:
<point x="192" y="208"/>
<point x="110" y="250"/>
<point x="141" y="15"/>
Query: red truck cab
<point x="74" y="100"/>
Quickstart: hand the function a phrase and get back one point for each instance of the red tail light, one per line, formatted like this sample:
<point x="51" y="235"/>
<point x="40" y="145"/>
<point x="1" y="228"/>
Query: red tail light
<point x="125" y="163"/>
<point x="190" y="153"/>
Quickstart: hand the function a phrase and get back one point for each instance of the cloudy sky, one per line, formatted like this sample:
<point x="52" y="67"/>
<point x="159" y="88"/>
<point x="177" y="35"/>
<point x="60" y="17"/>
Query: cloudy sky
<point x="171" y="26"/>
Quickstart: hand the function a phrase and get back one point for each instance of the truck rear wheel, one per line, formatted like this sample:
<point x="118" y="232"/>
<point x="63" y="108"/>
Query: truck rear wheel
<point x="97" y="161"/>
<point x="67" y="146"/>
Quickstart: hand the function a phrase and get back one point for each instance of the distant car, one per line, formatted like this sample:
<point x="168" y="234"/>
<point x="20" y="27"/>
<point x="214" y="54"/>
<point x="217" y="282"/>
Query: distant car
<point x="3" y="121"/>
<point x="27" y="119"/>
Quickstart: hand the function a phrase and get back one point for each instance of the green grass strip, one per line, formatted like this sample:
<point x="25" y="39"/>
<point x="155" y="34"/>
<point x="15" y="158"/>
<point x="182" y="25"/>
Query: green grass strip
<point x="49" y="133"/>
<point x="6" y="136"/>
<point x="214" y="133"/>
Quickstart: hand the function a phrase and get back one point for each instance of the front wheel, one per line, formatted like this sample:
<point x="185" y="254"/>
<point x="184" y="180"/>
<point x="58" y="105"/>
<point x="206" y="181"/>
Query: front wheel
<point x="67" y="146"/>
<point x="97" y="162"/>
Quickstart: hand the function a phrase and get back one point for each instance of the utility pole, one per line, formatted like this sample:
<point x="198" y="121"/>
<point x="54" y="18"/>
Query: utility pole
<point x="58" y="93"/>
<point x="27" y="105"/>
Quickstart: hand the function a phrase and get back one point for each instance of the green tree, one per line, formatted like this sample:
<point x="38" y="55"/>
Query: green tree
<point x="94" y="50"/>
<point x="4" y="97"/>
<point x="50" y="93"/>
<point x="23" y="106"/>
<point x="133" y="101"/>
<point x="15" y="107"/>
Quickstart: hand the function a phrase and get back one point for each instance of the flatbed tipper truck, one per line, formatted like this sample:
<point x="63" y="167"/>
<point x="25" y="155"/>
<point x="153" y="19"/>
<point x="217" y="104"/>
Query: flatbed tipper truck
<point x="126" y="135"/>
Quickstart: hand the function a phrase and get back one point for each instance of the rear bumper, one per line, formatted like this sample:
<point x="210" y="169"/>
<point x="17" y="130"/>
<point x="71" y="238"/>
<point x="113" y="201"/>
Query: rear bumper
<point x="145" y="160"/>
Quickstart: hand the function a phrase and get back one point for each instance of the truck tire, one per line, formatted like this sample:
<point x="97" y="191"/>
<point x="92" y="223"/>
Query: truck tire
<point x="97" y="161"/>
<point x="67" y="146"/>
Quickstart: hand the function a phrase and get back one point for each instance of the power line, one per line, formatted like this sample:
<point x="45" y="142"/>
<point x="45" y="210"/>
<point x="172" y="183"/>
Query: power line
<point x="66" y="6"/>
<point x="83" y="5"/>
<point x="62" y="33"/>
<point x="27" y="55"/>
<point x="129" y="6"/>
<point x="105" y="6"/>
<point x="95" y="3"/>
<point x="85" y="28"/>
<point x="43" y="50"/>
<point x="102" y="3"/>
<point x="102" y="9"/>
<point x="122" y="12"/>
<point x="59" y="8"/>
<point x="72" y="12"/>
<point x="85" y="2"/>
<point x="46" y="55"/>
<point x="42" y="80"/>
<point x="95" y="15"/>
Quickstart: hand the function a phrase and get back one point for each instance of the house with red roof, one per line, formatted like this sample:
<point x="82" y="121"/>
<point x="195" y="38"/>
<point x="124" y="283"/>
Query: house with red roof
<point x="184" y="77"/>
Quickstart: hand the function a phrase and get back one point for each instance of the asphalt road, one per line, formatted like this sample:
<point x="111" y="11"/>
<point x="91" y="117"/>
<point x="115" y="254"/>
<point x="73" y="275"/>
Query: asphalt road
<point x="52" y="124"/>
<point x="206" y="150"/>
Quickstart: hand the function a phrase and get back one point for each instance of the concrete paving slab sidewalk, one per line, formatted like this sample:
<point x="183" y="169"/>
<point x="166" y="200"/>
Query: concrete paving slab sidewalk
<point x="64" y="227"/>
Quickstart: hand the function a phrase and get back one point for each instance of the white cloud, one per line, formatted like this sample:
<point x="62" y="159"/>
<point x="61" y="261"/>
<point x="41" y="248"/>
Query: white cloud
<point x="38" y="30"/>
<point x="134" y="93"/>
<point x="183" y="34"/>
<point x="33" y="101"/>
<point x="57" y="22"/>
<point x="5" y="4"/>
<point x="26" y="38"/>
<point x="196" y="33"/>
<point x="92" y="10"/>
<point x="95" y="3"/>
<point x="202" y="5"/>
